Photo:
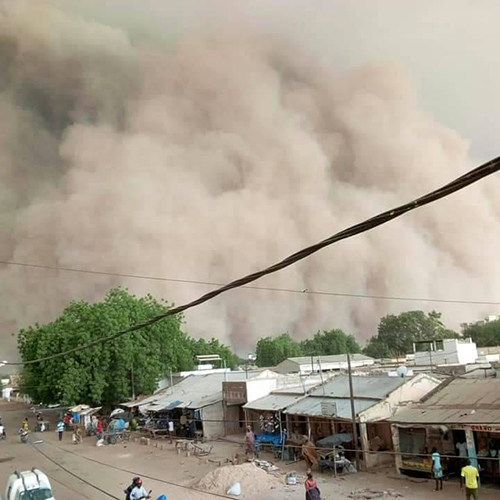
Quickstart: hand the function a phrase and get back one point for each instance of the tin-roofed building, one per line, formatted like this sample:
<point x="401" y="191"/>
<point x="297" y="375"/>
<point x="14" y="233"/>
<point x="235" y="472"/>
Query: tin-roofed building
<point x="308" y="364"/>
<point x="459" y="418"/>
<point x="325" y="410"/>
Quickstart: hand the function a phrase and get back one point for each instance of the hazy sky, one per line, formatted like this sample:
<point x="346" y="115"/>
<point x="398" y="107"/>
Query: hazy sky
<point x="205" y="140"/>
<point x="449" y="47"/>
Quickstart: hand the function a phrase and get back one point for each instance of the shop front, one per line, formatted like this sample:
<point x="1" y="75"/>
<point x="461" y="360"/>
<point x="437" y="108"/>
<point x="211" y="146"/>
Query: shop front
<point x="483" y="447"/>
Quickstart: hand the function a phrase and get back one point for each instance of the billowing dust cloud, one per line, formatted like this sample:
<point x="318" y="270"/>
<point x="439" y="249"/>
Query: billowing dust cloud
<point x="214" y="156"/>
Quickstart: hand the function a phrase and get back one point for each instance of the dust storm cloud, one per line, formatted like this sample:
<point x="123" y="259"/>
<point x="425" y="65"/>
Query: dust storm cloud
<point x="212" y="155"/>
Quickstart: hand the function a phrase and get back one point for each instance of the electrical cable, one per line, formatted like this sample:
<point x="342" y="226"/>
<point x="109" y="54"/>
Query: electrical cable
<point x="73" y="474"/>
<point x="140" y="474"/>
<point x="52" y="478"/>
<point x="461" y="182"/>
<point x="305" y="291"/>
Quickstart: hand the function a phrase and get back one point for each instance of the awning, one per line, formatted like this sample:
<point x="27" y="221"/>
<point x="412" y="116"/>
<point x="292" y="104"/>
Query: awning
<point x="273" y="402"/>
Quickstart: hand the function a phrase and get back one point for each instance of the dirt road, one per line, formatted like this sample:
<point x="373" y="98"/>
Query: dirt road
<point x="92" y="473"/>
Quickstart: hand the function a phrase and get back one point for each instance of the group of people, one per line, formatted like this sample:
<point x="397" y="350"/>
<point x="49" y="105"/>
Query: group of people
<point x="469" y="476"/>
<point x="77" y="435"/>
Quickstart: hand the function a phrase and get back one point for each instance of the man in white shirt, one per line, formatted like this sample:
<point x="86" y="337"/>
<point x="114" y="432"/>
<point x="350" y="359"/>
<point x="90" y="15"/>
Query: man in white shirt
<point x="462" y="449"/>
<point x="170" y="430"/>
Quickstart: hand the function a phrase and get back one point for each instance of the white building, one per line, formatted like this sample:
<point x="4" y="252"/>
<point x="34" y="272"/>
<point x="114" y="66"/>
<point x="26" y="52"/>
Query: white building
<point x="308" y="364"/>
<point x="448" y="352"/>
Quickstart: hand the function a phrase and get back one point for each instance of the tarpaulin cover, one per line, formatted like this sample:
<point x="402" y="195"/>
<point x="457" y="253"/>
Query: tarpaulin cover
<point x="334" y="440"/>
<point x="269" y="438"/>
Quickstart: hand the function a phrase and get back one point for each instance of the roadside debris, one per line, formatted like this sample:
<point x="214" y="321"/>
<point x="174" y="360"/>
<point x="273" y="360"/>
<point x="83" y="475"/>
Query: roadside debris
<point x="250" y="477"/>
<point x="369" y="494"/>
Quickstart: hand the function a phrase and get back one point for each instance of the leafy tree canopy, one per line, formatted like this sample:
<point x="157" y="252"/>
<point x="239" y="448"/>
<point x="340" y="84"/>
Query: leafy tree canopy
<point x="330" y="342"/>
<point x="110" y="372"/>
<point x="397" y="333"/>
<point x="484" y="333"/>
<point x="272" y="351"/>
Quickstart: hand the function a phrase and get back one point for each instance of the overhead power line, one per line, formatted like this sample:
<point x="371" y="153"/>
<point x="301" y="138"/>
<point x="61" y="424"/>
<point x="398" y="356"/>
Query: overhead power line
<point x="135" y="473"/>
<point x="305" y="291"/>
<point x="71" y="473"/>
<point x="456" y="185"/>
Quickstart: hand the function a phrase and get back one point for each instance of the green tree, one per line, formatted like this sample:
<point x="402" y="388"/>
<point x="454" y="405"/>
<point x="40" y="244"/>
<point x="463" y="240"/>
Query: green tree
<point x="272" y="351"/>
<point x="484" y="333"/>
<point x="330" y="342"/>
<point x="103" y="374"/>
<point x="201" y="347"/>
<point x="396" y="333"/>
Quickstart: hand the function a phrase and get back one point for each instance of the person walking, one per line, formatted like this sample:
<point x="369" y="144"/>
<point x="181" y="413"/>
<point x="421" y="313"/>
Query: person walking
<point x="60" y="429"/>
<point x="312" y="490"/>
<point x="437" y="470"/>
<point x="171" y="430"/>
<point x="309" y="453"/>
<point x="249" y="443"/>
<point x="470" y="476"/>
<point x="99" y="429"/>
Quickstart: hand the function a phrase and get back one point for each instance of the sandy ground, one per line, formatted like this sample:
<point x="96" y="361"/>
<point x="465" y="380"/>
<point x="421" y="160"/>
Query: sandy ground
<point x="166" y="465"/>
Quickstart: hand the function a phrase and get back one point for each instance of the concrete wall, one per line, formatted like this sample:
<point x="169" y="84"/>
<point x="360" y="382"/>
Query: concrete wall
<point x="455" y="351"/>
<point x="338" y="365"/>
<point x="259" y="388"/>
<point x="213" y="421"/>
<point x="288" y="366"/>
<point x="410" y="392"/>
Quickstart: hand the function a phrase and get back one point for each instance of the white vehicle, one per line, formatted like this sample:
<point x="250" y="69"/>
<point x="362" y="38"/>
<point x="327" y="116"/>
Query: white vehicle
<point x="28" y="485"/>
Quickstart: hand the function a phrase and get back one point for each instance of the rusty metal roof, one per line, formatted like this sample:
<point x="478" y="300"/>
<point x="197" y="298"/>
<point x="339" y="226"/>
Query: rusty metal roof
<point x="363" y="387"/>
<point x="462" y="401"/>
<point x="311" y="406"/>
<point x="274" y="402"/>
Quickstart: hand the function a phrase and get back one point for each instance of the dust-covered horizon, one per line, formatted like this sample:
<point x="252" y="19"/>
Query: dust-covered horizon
<point x="213" y="155"/>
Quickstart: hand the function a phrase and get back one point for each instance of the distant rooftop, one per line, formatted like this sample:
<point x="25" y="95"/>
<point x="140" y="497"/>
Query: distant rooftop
<point x="363" y="387"/>
<point x="337" y="358"/>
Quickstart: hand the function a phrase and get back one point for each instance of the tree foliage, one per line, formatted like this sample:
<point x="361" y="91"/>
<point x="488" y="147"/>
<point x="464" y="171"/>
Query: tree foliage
<point x="201" y="347"/>
<point x="484" y="333"/>
<point x="330" y="342"/>
<point x="396" y="333"/>
<point x="272" y="351"/>
<point x="110" y="372"/>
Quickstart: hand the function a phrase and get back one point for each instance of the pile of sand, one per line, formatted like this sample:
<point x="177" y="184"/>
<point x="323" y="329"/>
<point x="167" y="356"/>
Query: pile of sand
<point x="251" y="478"/>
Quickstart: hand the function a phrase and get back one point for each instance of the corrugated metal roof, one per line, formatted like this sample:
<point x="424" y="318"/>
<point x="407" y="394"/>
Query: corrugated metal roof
<point x="337" y="358"/>
<point x="363" y="387"/>
<point x="274" y="402"/>
<point x="311" y="406"/>
<point x="195" y="391"/>
<point x="467" y="401"/>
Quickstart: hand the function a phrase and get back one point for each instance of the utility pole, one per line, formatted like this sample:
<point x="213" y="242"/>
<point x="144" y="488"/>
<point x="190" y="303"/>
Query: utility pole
<point x="353" y="412"/>
<point x="133" y="387"/>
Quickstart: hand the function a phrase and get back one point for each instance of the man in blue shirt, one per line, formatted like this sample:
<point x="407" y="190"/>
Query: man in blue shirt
<point x="60" y="429"/>
<point x="437" y="470"/>
<point x="138" y="493"/>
